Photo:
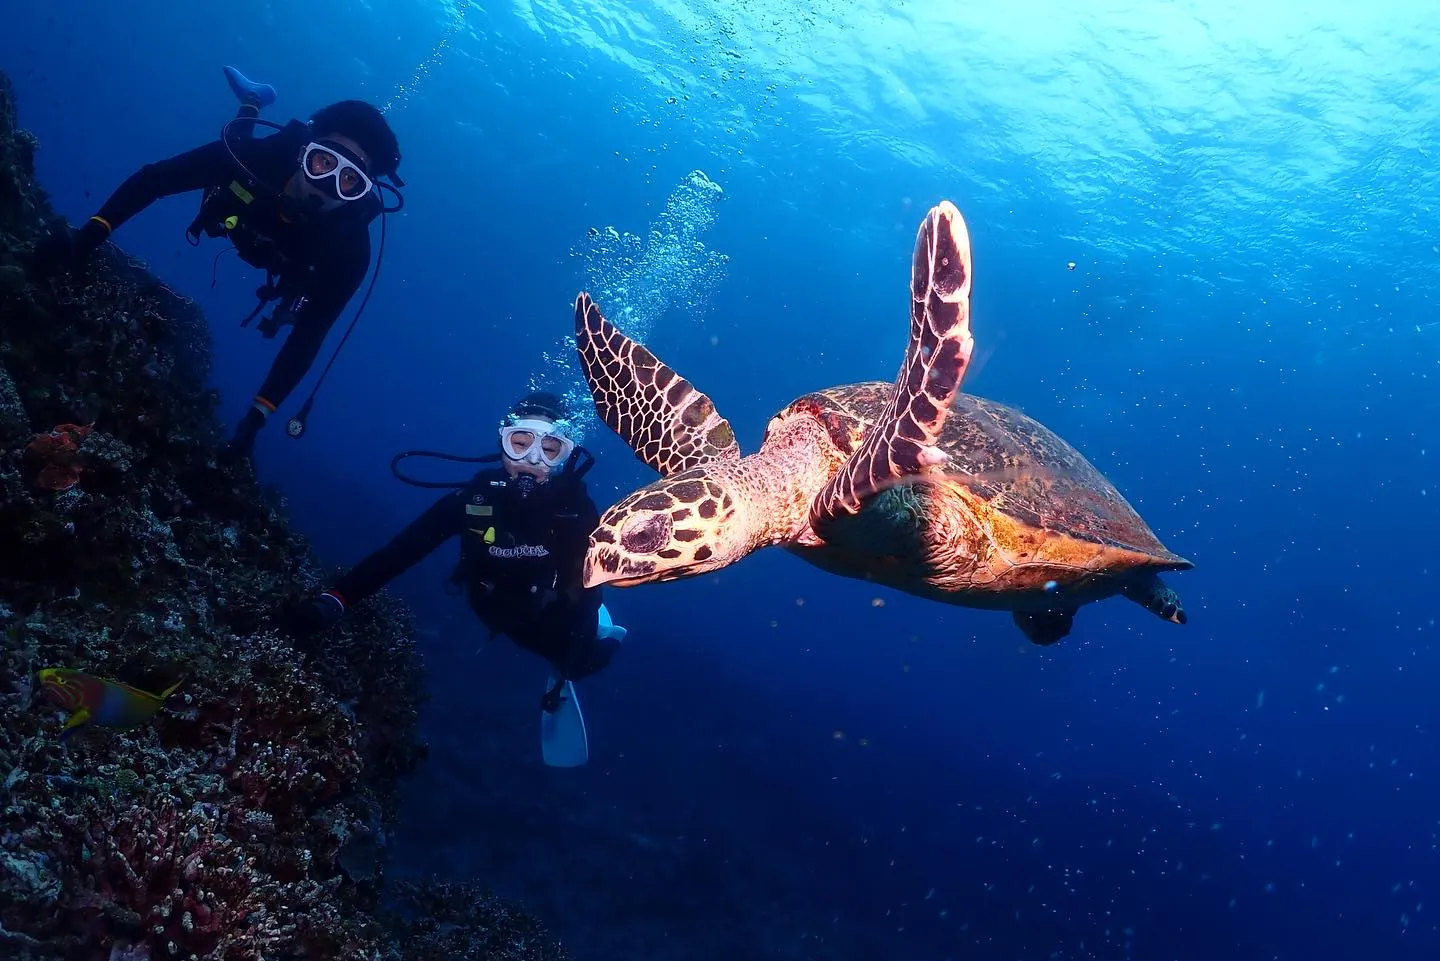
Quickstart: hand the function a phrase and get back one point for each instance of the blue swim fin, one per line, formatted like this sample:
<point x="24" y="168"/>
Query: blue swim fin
<point x="606" y="628"/>
<point x="247" y="90"/>
<point x="563" y="742"/>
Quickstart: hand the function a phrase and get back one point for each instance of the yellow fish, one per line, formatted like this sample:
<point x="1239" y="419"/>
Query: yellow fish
<point x="99" y="700"/>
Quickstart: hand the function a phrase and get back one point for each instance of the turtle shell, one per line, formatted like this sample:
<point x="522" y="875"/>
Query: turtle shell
<point x="1015" y="464"/>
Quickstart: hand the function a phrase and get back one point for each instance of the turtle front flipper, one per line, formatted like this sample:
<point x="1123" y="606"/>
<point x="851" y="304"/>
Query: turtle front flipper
<point x="1157" y="597"/>
<point x="902" y="442"/>
<point x="667" y="422"/>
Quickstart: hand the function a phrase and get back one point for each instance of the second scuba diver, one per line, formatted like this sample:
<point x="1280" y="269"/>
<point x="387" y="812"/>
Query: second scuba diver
<point x="298" y="204"/>
<point x="524" y="527"/>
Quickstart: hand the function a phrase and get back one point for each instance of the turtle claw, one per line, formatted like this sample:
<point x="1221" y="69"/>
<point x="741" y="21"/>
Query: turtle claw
<point x="931" y="457"/>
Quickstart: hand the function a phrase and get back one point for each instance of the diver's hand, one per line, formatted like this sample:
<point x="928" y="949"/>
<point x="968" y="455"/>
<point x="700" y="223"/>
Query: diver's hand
<point x="67" y="248"/>
<point x="312" y="616"/>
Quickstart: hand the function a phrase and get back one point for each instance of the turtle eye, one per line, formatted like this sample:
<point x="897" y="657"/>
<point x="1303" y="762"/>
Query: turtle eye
<point x="645" y="533"/>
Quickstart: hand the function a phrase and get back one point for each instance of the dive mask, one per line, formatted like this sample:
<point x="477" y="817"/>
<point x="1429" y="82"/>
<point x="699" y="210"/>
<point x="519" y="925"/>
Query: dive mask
<point x="342" y="177"/>
<point x="534" y="441"/>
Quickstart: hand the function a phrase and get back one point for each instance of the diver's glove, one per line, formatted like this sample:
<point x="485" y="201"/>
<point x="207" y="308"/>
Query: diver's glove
<point x="312" y="616"/>
<point x="68" y="248"/>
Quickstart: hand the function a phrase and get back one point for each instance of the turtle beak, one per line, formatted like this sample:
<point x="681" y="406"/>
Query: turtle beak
<point x="593" y="576"/>
<point x="605" y="565"/>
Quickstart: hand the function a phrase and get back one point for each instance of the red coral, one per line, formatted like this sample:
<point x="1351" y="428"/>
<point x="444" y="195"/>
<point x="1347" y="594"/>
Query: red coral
<point x="171" y="870"/>
<point x="169" y="878"/>
<point x="278" y="739"/>
<point x="221" y="846"/>
<point x="58" y="454"/>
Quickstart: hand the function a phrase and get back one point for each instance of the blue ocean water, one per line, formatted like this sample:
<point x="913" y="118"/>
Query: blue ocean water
<point x="789" y="765"/>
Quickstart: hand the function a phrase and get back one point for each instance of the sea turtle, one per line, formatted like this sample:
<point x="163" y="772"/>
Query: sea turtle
<point x="913" y="485"/>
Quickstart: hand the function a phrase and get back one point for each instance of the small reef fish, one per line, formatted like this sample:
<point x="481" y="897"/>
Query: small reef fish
<point x="99" y="700"/>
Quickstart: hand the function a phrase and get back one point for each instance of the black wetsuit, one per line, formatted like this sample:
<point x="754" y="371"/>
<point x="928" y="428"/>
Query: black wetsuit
<point x="317" y="260"/>
<point x="521" y="561"/>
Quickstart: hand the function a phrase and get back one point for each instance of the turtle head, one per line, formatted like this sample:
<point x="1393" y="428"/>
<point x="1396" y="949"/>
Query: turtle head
<point x="685" y="524"/>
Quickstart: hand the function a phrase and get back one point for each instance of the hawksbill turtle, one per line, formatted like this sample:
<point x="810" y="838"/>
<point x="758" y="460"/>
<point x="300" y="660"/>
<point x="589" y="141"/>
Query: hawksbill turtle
<point x="913" y="485"/>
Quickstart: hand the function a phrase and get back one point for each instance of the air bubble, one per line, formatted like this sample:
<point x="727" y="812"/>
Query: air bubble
<point x="636" y="278"/>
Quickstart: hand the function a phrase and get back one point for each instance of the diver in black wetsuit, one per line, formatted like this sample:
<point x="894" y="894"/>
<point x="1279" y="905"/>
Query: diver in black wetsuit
<point x="298" y="204"/>
<point x="524" y="527"/>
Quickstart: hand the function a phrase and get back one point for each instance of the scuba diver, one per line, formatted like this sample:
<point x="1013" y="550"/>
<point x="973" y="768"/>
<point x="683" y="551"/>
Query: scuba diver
<point x="524" y="527"/>
<point x="297" y="204"/>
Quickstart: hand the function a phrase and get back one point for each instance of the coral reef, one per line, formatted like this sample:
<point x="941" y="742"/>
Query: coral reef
<point x="440" y="921"/>
<point x="248" y="819"/>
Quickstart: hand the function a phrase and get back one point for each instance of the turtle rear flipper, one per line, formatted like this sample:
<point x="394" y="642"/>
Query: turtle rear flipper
<point x="667" y="422"/>
<point x="902" y="442"/>
<point x="1044" y="627"/>
<point x="1157" y="597"/>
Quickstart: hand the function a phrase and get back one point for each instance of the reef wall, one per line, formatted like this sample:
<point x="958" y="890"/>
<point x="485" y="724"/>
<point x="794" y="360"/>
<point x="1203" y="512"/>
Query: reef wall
<point x="247" y="819"/>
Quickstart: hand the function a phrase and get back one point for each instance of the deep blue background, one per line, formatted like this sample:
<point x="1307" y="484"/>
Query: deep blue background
<point x="1246" y="346"/>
